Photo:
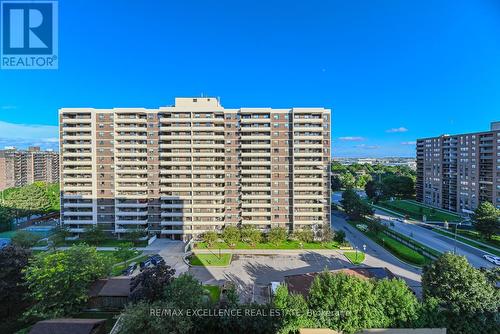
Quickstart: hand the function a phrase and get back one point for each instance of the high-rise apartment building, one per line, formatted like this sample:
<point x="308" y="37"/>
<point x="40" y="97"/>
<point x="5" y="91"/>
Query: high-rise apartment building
<point x="22" y="167"/>
<point x="460" y="171"/>
<point x="180" y="171"/>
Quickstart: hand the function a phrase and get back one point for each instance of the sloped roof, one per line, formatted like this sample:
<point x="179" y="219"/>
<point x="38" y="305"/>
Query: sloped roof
<point x="65" y="326"/>
<point x="302" y="282"/>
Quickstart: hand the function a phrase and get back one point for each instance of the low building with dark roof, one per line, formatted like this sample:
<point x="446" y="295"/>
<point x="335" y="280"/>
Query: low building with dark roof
<point x="67" y="326"/>
<point x="301" y="283"/>
<point x="110" y="294"/>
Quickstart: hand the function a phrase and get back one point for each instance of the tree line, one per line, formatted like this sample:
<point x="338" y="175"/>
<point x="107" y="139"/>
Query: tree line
<point x="55" y="284"/>
<point x="26" y="201"/>
<point x="391" y="179"/>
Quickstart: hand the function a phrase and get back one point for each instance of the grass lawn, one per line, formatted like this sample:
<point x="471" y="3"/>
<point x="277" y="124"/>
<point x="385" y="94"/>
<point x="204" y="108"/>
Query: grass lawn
<point x="412" y="209"/>
<point x="494" y="242"/>
<point x="207" y="260"/>
<point x="469" y="242"/>
<point x="107" y="243"/>
<point x="213" y="291"/>
<point x="402" y="251"/>
<point x="355" y="257"/>
<point x="398" y="249"/>
<point x="288" y="244"/>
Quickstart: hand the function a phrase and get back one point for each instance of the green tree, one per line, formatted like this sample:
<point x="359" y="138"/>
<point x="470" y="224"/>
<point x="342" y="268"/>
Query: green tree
<point x="13" y="259"/>
<point x="185" y="292"/>
<point x="59" y="236"/>
<point x="373" y="190"/>
<point x="125" y="251"/>
<point x="336" y="183"/>
<point x="25" y="239"/>
<point x="251" y="235"/>
<point x="136" y="318"/>
<point x="354" y="207"/>
<point x="231" y="235"/>
<point x="58" y="282"/>
<point x="277" y="235"/>
<point x="304" y="235"/>
<point x="350" y="302"/>
<point x="347" y="180"/>
<point x="487" y="220"/>
<point x="339" y="237"/>
<point x="210" y="238"/>
<point x="28" y="200"/>
<point x="398" y="186"/>
<point x="469" y="301"/>
<point x="295" y="311"/>
<point x="136" y="235"/>
<point x="151" y="282"/>
<point x="326" y="233"/>
<point x="375" y="226"/>
<point x="6" y="217"/>
<point x="362" y="180"/>
<point x="94" y="235"/>
<point x="398" y="303"/>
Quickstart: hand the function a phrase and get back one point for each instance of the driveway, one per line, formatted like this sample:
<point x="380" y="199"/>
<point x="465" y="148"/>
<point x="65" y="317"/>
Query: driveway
<point x="252" y="273"/>
<point x="172" y="252"/>
<point x="376" y="255"/>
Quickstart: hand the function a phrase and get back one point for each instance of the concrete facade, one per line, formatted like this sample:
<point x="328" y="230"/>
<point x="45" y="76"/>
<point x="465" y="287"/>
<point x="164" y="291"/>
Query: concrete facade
<point x="457" y="172"/>
<point x="182" y="170"/>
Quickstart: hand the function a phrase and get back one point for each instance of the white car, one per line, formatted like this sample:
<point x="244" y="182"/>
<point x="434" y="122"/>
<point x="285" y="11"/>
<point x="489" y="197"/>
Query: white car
<point x="492" y="259"/>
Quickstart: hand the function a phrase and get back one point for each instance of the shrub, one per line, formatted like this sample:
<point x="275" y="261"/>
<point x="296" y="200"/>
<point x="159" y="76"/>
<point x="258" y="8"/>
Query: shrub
<point x="210" y="237"/>
<point x="25" y="239"/>
<point x="339" y="237"/>
<point x="231" y="235"/>
<point x="277" y="235"/>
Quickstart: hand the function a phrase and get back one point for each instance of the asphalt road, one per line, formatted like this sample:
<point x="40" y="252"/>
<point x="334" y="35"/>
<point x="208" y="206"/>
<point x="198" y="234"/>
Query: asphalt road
<point x="376" y="255"/>
<point x="435" y="240"/>
<point x="430" y="238"/>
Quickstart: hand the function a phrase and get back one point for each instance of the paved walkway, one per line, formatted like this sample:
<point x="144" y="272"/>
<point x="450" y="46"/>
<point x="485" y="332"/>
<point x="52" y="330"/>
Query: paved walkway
<point x="172" y="252"/>
<point x="376" y="255"/>
<point x="272" y="251"/>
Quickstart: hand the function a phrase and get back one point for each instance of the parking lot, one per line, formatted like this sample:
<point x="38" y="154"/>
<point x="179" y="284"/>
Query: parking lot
<point x="252" y="274"/>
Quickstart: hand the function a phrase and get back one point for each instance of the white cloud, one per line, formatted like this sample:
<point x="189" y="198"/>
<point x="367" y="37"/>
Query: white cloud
<point x="409" y="143"/>
<point x="351" y="138"/>
<point x="23" y="135"/>
<point x="396" y="130"/>
<point x="368" y="147"/>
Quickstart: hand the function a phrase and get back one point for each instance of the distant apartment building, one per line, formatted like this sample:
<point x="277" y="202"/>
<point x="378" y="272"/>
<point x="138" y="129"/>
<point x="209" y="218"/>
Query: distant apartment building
<point x="22" y="167"/>
<point x="179" y="171"/>
<point x="457" y="172"/>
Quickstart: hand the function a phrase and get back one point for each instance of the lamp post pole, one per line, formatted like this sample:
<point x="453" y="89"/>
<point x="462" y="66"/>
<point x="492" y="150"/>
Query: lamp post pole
<point x="455" y="243"/>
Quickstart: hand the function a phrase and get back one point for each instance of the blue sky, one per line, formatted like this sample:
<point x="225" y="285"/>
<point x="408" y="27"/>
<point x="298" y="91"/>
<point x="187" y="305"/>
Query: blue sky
<point x="381" y="66"/>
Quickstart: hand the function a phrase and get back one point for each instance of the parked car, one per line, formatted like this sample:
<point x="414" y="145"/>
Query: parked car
<point x="130" y="269"/>
<point x="401" y="220"/>
<point x="492" y="259"/>
<point x="156" y="260"/>
<point x="153" y="260"/>
<point x="145" y="264"/>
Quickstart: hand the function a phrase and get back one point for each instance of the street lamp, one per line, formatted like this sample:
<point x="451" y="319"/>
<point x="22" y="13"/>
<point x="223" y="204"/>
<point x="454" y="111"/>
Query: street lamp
<point x="455" y="243"/>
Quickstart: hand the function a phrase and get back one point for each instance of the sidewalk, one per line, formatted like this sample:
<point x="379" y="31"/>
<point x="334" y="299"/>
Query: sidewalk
<point x="110" y="249"/>
<point x="272" y="251"/>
